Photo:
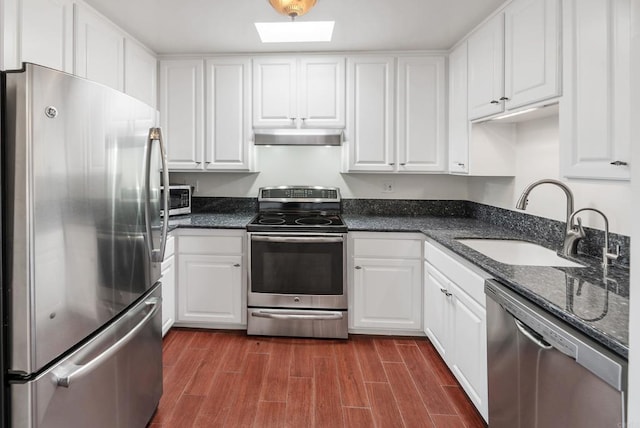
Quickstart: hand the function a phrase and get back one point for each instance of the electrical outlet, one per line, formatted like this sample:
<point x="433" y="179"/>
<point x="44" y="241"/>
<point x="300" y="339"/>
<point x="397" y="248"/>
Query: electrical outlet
<point x="387" y="187"/>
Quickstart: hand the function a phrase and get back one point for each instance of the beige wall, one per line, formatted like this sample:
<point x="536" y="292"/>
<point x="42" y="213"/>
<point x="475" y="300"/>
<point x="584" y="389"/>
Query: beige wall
<point x="320" y="166"/>
<point x="537" y="156"/>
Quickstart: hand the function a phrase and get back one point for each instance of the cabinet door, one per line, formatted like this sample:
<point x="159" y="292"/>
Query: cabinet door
<point x="228" y="98"/>
<point x="99" y="48"/>
<point x="469" y="347"/>
<point x="458" y="114"/>
<point x="388" y="294"/>
<point x="437" y="311"/>
<point x="46" y="33"/>
<point x="321" y="92"/>
<point x="532" y="48"/>
<point x="210" y="289"/>
<point x="421" y="114"/>
<point x="140" y="73"/>
<point x="486" y="69"/>
<point x="181" y="112"/>
<point x="370" y="132"/>
<point x="168" y="294"/>
<point x="274" y="92"/>
<point x="594" y="109"/>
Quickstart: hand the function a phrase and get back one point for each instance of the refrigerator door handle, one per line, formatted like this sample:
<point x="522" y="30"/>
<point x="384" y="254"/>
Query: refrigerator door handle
<point x="66" y="373"/>
<point x="157" y="255"/>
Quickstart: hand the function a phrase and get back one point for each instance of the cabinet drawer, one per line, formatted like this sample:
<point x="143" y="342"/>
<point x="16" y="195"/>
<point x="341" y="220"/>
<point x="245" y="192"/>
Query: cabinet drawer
<point x="391" y="248"/>
<point x="210" y="244"/>
<point x="470" y="281"/>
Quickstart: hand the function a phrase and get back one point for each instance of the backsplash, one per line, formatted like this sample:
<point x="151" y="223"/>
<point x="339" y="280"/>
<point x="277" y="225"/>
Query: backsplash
<point x="544" y="231"/>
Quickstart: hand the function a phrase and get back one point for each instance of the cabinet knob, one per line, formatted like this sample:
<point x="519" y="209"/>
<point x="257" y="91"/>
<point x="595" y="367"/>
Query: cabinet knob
<point x="358" y="267"/>
<point x="236" y="265"/>
<point x="619" y="163"/>
<point x="304" y="119"/>
<point x="495" y="102"/>
<point x="293" y="120"/>
<point x="504" y="98"/>
<point x="403" y="164"/>
<point x="392" y="163"/>
<point x="460" y="164"/>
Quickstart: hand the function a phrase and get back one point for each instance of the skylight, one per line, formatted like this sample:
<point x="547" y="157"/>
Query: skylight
<point x="294" y="31"/>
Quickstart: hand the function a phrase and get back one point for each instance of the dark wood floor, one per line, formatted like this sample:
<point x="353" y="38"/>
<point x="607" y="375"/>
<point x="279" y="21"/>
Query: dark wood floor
<point x="216" y="379"/>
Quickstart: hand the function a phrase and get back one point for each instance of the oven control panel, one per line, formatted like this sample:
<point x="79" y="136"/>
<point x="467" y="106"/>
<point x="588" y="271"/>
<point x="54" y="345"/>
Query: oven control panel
<point x="300" y="193"/>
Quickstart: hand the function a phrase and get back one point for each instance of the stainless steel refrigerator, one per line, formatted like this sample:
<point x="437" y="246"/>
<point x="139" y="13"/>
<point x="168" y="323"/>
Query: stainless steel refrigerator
<point x="82" y="242"/>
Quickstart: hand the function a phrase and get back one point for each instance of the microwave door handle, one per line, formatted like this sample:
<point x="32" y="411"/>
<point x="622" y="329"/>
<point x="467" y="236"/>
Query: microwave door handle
<point x="157" y="255"/>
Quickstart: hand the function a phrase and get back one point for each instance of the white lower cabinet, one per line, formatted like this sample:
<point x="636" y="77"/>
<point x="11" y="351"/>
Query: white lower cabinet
<point x="211" y="279"/>
<point x="168" y="279"/>
<point x="455" y="320"/>
<point x="386" y="277"/>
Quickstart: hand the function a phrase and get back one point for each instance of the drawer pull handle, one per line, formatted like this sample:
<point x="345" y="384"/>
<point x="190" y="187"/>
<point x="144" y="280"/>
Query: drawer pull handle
<point x="358" y="267"/>
<point x="619" y="163"/>
<point x="446" y="292"/>
<point x="236" y="265"/>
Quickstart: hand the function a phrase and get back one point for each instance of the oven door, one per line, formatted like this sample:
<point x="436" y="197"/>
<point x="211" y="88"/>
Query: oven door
<point x="297" y="271"/>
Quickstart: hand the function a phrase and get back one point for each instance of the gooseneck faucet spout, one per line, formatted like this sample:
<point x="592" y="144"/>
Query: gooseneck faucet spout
<point x="573" y="233"/>
<point x="607" y="256"/>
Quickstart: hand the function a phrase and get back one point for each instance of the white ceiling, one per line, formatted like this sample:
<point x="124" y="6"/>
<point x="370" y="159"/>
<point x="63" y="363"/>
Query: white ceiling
<point x="225" y="26"/>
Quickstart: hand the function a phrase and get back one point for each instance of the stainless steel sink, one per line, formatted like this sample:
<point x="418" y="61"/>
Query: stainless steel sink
<point x="516" y="252"/>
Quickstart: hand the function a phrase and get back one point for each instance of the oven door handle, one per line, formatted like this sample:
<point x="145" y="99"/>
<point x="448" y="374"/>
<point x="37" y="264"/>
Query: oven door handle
<point x="298" y="316"/>
<point x="298" y="239"/>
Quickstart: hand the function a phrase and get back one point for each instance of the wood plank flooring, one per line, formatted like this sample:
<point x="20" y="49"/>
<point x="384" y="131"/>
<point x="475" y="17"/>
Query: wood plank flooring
<point x="229" y="379"/>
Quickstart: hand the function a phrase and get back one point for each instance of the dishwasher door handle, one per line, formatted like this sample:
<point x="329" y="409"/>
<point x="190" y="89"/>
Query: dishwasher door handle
<point x="525" y="331"/>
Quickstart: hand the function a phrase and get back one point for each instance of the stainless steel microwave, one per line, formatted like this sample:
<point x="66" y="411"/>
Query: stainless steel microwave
<point x="179" y="199"/>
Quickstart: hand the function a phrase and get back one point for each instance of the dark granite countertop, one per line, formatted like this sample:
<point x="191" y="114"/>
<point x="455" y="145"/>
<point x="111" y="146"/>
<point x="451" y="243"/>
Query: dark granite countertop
<point x="585" y="298"/>
<point x="212" y="221"/>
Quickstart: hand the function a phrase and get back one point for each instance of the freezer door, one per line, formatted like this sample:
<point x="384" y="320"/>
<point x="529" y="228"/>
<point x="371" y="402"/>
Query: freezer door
<point x="114" y="381"/>
<point x="83" y="179"/>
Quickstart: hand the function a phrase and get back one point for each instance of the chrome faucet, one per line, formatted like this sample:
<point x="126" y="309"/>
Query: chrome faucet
<point x="607" y="256"/>
<point x="573" y="233"/>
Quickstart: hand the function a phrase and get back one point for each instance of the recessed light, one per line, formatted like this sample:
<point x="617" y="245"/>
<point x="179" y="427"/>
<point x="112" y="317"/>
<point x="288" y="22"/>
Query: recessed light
<point x="295" y="32"/>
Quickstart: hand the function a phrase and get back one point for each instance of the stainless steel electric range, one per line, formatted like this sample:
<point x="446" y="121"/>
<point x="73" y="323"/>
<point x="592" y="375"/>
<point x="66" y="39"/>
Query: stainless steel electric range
<point x="297" y="264"/>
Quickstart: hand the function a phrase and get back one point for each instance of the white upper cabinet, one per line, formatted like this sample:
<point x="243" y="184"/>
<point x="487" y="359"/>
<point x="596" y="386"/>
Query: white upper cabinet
<point x="140" y="73"/>
<point x="299" y="92"/>
<point x="486" y="69"/>
<point x="421" y="143"/>
<point x="370" y="113"/>
<point x="594" y="111"/>
<point x="228" y="114"/>
<point x="274" y="92"/>
<point x="532" y="51"/>
<point x="46" y="33"/>
<point x="396" y="114"/>
<point x="458" y="113"/>
<point x="514" y="58"/>
<point x="321" y="92"/>
<point x="181" y="112"/>
<point x="99" y="48"/>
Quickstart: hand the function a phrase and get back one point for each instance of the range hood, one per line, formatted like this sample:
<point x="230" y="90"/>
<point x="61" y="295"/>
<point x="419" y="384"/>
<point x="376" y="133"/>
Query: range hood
<point x="297" y="137"/>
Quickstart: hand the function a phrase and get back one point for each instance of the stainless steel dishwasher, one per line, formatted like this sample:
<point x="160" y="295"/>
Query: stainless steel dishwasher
<point x="544" y="373"/>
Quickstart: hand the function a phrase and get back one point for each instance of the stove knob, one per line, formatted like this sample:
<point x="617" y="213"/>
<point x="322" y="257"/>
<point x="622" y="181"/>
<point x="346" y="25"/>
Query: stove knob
<point x="296" y="299"/>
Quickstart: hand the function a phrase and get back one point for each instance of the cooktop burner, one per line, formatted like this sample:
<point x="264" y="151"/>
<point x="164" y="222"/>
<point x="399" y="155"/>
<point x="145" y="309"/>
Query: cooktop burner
<point x="298" y="208"/>
<point x="316" y="220"/>
<point x="296" y="221"/>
